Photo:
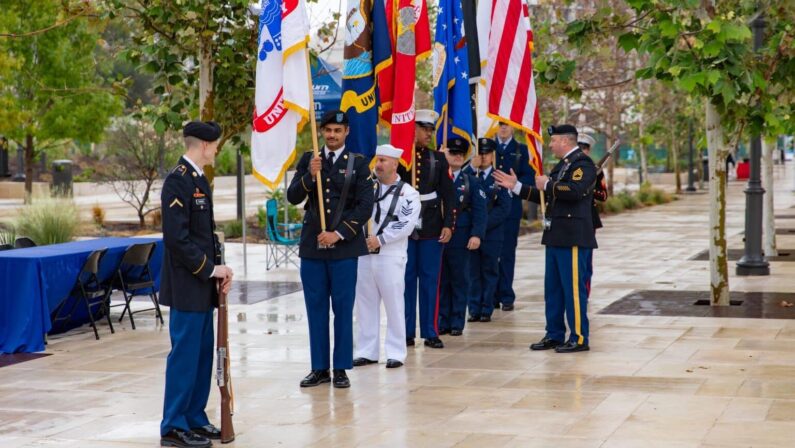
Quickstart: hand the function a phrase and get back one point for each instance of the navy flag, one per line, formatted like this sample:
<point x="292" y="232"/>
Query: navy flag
<point x="367" y="52"/>
<point x="451" y="93"/>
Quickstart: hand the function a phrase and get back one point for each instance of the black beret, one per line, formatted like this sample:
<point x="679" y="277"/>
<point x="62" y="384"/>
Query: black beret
<point x="562" y="129"/>
<point x="334" y="117"/>
<point x="457" y="146"/>
<point x="486" y="145"/>
<point x="209" y="131"/>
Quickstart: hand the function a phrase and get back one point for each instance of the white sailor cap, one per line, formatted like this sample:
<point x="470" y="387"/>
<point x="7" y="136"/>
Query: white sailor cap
<point x="426" y="117"/>
<point x="388" y="151"/>
<point x="586" y="139"/>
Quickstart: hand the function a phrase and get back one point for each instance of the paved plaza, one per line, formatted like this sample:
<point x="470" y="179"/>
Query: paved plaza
<point x="672" y="382"/>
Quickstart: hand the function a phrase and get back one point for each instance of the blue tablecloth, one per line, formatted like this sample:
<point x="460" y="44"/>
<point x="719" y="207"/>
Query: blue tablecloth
<point x="34" y="281"/>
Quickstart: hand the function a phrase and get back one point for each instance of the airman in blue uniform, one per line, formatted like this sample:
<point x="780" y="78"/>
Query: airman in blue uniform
<point x="511" y="155"/>
<point x="569" y="238"/>
<point x="469" y="229"/>
<point x="330" y="255"/>
<point x="191" y="269"/>
<point x="485" y="260"/>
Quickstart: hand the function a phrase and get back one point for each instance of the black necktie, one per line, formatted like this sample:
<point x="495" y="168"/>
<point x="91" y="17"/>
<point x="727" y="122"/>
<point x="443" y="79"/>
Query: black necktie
<point x="482" y="175"/>
<point x="330" y="159"/>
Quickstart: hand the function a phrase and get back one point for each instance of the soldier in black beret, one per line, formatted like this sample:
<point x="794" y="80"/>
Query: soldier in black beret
<point x="329" y="256"/>
<point x="191" y="270"/>
<point x="569" y="238"/>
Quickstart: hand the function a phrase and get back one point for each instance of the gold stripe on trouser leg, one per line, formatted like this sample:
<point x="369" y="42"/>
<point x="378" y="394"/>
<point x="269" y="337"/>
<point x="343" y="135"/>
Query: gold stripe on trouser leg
<point x="575" y="279"/>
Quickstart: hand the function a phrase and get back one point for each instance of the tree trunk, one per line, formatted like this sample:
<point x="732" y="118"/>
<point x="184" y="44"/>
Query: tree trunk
<point x="644" y="166"/>
<point x="718" y="253"/>
<point x="29" y="153"/>
<point x="768" y="210"/>
<point x="207" y="94"/>
<point x="674" y="150"/>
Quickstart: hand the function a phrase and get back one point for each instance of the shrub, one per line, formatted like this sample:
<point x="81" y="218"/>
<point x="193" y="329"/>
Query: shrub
<point x="613" y="205"/>
<point x="48" y="221"/>
<point x="8" y="235"/>
<point x="660" y="197"/>
<point x="233" y="229"/>
<point x="628" y="201"/>
<point x="98" y="215"/>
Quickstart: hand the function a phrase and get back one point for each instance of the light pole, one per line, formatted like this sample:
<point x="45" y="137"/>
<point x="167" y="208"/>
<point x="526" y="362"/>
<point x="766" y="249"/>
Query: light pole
<point x="753" y="261"/>
<point x="691" y="187"/>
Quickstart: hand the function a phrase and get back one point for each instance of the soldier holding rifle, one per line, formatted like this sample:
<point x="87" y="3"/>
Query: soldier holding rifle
<point x="192" y="273"/>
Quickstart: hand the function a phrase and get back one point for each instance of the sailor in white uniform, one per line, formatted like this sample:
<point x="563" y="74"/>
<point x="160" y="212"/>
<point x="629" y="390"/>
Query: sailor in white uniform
<point x="381" y="275"/>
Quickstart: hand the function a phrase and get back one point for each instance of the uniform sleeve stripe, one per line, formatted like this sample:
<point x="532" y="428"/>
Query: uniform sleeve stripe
<point x="349" y="226"/>
<point x="204" y="261"/>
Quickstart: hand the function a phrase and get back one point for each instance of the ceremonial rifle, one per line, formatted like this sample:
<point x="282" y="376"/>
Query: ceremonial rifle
<point x="223" y="376"/>
<point x="603" y="160"/>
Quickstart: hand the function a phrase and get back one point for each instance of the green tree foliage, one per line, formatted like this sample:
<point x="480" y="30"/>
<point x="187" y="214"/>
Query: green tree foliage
<point x="51" y="90"/>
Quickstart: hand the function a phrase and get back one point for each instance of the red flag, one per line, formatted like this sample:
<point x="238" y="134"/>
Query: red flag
<point x="411" y="41"/>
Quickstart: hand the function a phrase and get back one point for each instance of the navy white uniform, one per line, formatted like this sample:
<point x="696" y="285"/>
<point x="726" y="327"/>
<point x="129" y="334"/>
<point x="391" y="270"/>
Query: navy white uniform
<point x="511" y="155"/>
<point x="329" y="274"/>
<point x="191" y="253"/>
<point x="381" y="275"/>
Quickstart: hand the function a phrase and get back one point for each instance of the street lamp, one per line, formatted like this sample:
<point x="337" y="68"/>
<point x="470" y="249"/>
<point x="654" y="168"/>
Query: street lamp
<point x="753" y="261"/>
<point x="690" y="177"/>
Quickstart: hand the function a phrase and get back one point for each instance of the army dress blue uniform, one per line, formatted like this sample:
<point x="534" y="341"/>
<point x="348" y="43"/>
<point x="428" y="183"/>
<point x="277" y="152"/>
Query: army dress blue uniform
<point x="570" y="241"/>
<point x="191" y="253"/>
<point x="511" y="155"/>
<point x="485" y="260"/>
<point x="424" y="261"/>
<point x="329" y="274"/>
<point x="470" y="220"/>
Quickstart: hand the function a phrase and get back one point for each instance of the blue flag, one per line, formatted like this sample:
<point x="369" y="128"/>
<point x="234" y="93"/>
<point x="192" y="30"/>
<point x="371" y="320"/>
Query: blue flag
<point x="368" y="50"/>
<point x="451" y="73"/>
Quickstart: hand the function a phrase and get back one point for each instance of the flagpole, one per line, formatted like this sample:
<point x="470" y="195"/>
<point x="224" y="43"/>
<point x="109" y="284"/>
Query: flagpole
<point x="444" y="131"/>
<point x="413" y="166"/>
<point x="315" y="148"/>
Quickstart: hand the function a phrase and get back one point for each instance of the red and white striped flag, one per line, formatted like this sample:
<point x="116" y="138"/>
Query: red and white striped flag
<point x="281" y="105"/>
<point x="506" y="92"/>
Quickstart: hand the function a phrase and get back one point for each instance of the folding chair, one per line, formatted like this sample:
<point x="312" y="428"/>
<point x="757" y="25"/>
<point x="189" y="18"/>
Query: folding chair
<point x="134" y="276"/>
<point x="282" y="249"/>
<point x="23" y="242"/>
<point x="89" y="289"/>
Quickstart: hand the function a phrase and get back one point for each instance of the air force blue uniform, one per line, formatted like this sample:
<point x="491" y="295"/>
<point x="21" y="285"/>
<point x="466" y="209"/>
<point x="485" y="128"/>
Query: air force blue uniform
<point x="511" y="156"/>
<point x="485" y="260"/>
<point x="191" y="253"/>
<point x="570" y="241"/>
<point x="329" y="275"/>
<point x="470" y="220"/>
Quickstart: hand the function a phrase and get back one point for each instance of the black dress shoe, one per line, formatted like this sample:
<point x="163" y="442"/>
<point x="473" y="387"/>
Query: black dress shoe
<point x="409" y="342"/>
<point x="507" y="307"/>
<point x="208" y="431"/>
<point x="572" y="347"/>
<point x="316" y="378"/>
<point x="341" y="380"/>
<point x="473" y="319"/>
<point x="456" y="332"/>
<point x="179" y="438"/>
<point x="545" y="344"/>
<point x="393" y="363"/>
<point x="444" y="331"/>
<point x="358" y="362"/>
<point x="434" y="343"/>
<point x="485" y="318"/>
